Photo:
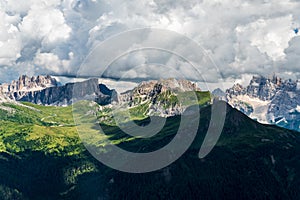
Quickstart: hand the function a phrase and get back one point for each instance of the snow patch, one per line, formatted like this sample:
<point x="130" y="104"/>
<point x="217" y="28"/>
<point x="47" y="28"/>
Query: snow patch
<point x="298" y="108"/>
<point x="255" y="84"/>
<point x="260" y="107"/>
<point x="282" y="120"/>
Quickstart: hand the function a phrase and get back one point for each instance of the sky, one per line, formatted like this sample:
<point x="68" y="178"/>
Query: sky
<point x="240" y="37"/>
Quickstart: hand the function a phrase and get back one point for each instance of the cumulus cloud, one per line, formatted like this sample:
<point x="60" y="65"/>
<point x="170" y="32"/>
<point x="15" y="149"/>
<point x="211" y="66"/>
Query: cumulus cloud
<point x="45" y="25"/>
<point x="241" y="36"/>
<point x="51" y="63"/>
<point x="289" y="67"/>
<point x="10" y="42"/>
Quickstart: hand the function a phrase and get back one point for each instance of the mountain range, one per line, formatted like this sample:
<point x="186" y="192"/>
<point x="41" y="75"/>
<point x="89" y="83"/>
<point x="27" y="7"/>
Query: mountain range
<point x="45" y="90"/>
<point x="268" y="100"/>
<point x="152" y="98"/>
<point x="42" y="156"/>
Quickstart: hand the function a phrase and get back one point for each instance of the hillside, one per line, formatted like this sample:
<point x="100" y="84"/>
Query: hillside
<point x="42" y="158"/>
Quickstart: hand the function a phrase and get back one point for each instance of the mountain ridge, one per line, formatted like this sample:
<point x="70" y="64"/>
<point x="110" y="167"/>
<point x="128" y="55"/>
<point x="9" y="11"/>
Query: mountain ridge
<point x="156" y="97"/>
<point x="46" y="90"/>
<point x="41" y="144"/>
<point x="268" y="100"/>
<point x="262" y="161"/>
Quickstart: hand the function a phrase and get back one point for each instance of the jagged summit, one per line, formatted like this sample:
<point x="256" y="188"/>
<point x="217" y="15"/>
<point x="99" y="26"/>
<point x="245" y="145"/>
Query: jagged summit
<point x="160" y="97"/>
<point x="45" y="90"/>
<point x="26" y="83"/>
<point x="149" y="89"/>
<point x="171" y="84"/>
<point x="269" y="100"/>
<point x="18" y="88"/>
<point x="259" y="87"/>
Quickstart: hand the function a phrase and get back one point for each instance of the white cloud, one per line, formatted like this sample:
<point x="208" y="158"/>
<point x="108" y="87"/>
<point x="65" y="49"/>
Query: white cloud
<point x="242" y="36"/>
<point x="51" y="63"/>
<point x="46" y="25"/>
<point x="290" y="66"/>
<point x="270" y="36"/>
<point x="9" y="40"/>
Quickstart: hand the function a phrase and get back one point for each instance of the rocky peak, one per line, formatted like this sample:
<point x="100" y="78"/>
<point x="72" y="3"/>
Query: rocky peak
<point x="269" y="100"/>
<point x="277" y="80"/>
<point x="26" y="83"/>
<point x="290" y="85"/>
<point x="236" y="90"/>
<point x="161" y="96"/>
<point x="45" y="90"/>
<point x="151" y="89"/>
<point x="164" y="85"/>
<point x="260" y="87"/>
<point x="70" y="93"/>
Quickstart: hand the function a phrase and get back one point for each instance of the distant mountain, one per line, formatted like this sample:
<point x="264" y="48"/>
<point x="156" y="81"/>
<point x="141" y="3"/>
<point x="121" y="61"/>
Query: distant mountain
<point x="219" y="94"/>
<point x="45" y="90"/>
<point x="18" y="88"/>
<point x="165" y="97"/>
<point x="268" y="100"/>
<point x="70" y="93"/>
<point x="42" y="156"/>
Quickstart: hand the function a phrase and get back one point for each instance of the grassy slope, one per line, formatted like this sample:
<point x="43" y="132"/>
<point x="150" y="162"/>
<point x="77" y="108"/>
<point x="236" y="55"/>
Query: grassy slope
<point x="42" y="158"/>
<point x="48" y="129"/>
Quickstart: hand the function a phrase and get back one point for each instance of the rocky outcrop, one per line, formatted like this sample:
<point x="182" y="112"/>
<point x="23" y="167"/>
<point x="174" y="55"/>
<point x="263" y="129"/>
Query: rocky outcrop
<point x="72" y="92"/>
<point x="151" y="89"/>
<point x="45" y="90"/>
<point x="160" y="96"/>
<point x="18" y="88"/>
<point x="269" y="100"/>
<point x="264" y="88"/>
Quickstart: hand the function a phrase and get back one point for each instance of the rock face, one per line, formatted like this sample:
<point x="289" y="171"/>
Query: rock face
<point x="160" y="96"/>
<point x="17" y="89"/>
<point x="44" y="90"/>
<point x="72" y="92"/>
<point x="149" y="90"/>
<point x="268" y="100"/>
